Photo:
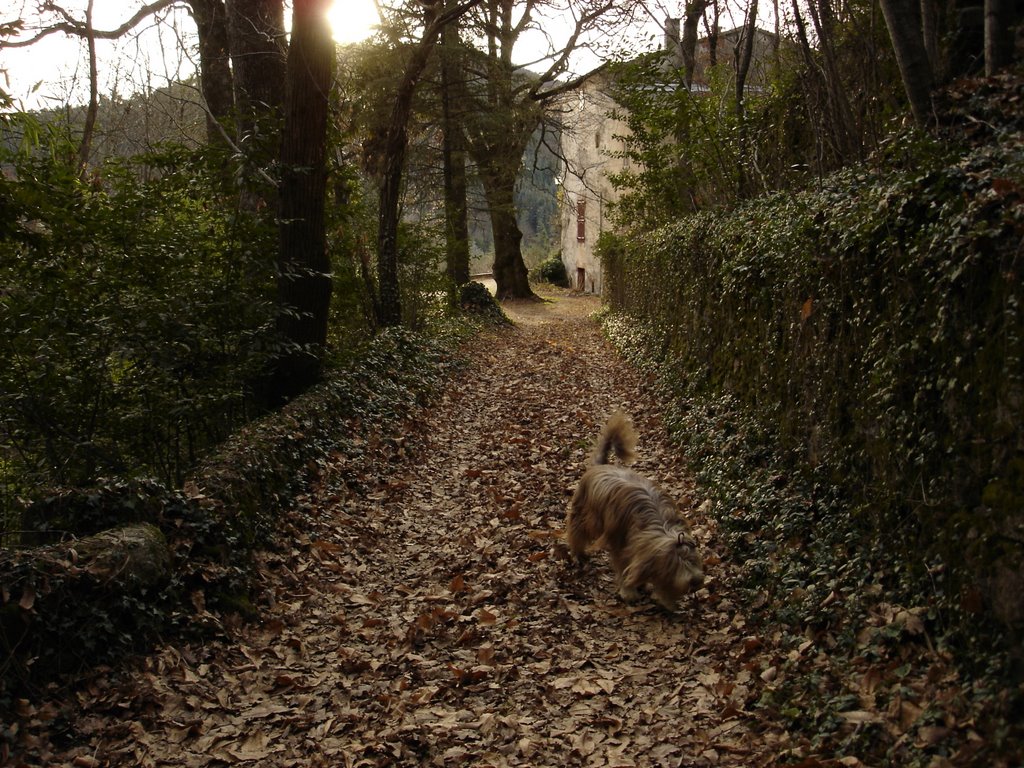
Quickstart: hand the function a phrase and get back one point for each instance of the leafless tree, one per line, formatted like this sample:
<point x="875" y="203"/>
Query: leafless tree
<point x="55" y="19"/>
<point x="392" y="152"/>
<point x="506" y="100"/>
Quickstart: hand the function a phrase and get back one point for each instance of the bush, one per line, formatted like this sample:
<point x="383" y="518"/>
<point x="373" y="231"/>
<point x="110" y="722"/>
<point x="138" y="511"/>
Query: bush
<point x="135" y="309"/>
<point x="476" y="301"/>
<point x="842" y="370"/>
<point x="57" y="614"/>
<point x="551" y="270"/>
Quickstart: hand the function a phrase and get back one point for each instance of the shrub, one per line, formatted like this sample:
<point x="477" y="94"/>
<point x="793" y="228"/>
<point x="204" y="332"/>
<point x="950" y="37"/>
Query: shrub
<point x="551" y="270"/>
<point x="477" y="301"/>
<point x="135" y="309"/>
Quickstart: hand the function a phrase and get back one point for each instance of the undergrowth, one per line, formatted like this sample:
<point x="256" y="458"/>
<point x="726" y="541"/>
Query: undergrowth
<point x="55" y="618"/>
<point x="842" y="602"/>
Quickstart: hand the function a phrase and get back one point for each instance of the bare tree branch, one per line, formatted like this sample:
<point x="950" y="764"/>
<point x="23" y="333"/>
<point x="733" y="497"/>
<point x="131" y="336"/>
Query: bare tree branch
<point x="569" y="85"/>
<point x="76" y="28"/>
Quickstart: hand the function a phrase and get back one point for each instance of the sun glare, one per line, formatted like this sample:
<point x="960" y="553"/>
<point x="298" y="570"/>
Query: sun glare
<point x="352" y="21"/>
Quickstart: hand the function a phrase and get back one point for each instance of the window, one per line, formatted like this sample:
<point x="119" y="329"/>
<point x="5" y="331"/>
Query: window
<point x="581" y="220"/>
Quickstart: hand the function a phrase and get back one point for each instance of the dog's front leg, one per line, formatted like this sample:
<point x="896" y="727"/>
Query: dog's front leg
<point x="576" y="531"/>
<point x="668" y="602"/>
<point x="629" y="594"/>
<point x="627" y="590"/>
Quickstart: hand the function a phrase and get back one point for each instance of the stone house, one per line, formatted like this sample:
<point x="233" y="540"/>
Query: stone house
<point x="593" y="150"/>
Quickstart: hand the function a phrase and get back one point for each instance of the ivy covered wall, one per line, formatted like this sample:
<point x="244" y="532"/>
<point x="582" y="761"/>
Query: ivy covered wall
<point x="875" y="325"/>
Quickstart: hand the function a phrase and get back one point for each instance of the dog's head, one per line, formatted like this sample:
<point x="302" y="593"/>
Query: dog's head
<point x="689" y="570"/>
<point x="677" y="569"/>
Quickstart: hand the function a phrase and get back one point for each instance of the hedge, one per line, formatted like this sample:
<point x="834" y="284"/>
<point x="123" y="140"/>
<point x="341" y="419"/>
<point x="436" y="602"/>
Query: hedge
<point x="874" y="325"/>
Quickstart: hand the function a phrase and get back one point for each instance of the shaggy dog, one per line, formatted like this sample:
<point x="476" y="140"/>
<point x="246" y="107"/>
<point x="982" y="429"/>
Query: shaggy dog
<point x="628" y="515"/>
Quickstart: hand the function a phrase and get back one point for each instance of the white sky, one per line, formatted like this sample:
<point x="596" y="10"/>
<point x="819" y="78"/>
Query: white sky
<point x="56" y="68"/>
<point x="54" y="71"/>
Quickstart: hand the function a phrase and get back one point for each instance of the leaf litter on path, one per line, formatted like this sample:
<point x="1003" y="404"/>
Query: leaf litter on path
<point x="425" y="612"/>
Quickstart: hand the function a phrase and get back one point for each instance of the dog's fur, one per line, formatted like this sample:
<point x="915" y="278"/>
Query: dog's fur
<point x="628" y="515"/>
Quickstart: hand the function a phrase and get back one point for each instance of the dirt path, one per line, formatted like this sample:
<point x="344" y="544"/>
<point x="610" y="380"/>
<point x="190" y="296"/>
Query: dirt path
<point x="427" y="615"/>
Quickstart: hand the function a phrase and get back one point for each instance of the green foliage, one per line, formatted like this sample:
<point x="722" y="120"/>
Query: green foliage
<point x="423" y="283"/>
<point x="551" y="270"/>
<point x="843" y="368"/>
<point x="476" y="301"/>
<point x="663" y="183"/>
<point x="351" y="234"/>
<point x="256" y="471"/>
<point x="135" y="310"/>
<point x="874" y="326"/>
<point x="690" y="150"/>
<point x="230" y="505"/>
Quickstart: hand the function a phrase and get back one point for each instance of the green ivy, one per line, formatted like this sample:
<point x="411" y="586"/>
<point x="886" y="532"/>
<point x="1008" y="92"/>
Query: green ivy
<point x="859" y="345"/>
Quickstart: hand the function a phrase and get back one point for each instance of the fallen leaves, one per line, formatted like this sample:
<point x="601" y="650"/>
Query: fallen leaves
<point x="421" y="610"/>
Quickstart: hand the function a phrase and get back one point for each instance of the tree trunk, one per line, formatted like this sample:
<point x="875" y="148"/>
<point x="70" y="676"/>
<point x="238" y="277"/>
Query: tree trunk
<point x="499" y="161"/>
<point x="395" y="143"/>
<point x="389" y="302"/>
<point x="713" y="30"/>
<point x="998" y="35"/>
<point x="258" y="59"/>
<point x="745" y="56"/>
<point x="841" y="125"/>
<point x="510" y="273"/>
<point x="393" y="163"/>
<point x="85" y="148"/>
<point x="904" y="24"/>
<point x="455" y="196"/>
<point x="304" y="282"/>
<point x="688" y="45"/>
<point x="930" y="34"/>
<point x="214" y="66"/>
<point x="499" y="122"/>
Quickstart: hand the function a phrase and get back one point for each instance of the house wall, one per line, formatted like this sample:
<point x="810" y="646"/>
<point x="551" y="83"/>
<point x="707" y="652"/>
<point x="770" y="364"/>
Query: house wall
<point x="589" y="144"/>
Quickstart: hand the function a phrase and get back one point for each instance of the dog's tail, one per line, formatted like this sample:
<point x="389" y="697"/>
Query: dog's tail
<point x="618" y="437"/>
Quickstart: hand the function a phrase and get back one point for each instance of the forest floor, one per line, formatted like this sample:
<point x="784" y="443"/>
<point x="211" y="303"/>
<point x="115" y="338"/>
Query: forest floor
<point x="424" y="611"/>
